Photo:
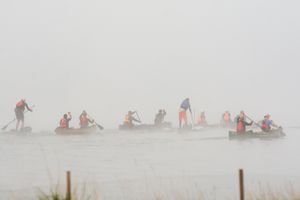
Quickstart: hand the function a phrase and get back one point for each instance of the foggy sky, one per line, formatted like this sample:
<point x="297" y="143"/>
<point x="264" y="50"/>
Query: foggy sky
<point x="112" y="56"/>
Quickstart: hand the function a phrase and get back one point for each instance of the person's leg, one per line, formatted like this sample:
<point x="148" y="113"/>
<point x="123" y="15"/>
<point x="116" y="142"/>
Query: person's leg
<point x="180" y="119"/>
<point x="22" y="124"/>
<point x="17" y="124"/>
<point x="185" y="118"/>
<point x="22" y="120"/>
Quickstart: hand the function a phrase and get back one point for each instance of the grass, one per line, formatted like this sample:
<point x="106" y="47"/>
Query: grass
<point x="54" y="194"/>
<point x="269" y="193"/>
<point x="57" y="193"/>
<point x="259" y="193"/>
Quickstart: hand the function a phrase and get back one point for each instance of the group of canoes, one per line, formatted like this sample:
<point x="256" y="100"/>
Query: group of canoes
<point x="132" y="121"/>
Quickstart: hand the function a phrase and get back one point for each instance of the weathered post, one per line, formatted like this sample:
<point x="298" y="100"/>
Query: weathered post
<point x="241" y="178"/>
<point x="68" y="193"/>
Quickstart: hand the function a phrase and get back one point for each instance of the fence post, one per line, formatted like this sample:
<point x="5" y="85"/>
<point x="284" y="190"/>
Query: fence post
<point x="241" y="179"/>
<point x="68" y="193"/>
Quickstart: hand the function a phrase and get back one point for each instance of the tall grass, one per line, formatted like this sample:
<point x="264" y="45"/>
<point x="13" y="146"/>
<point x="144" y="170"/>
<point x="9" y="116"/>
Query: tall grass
<point x="259" y="193"/>
<point x="57" y="193"/>
<point x="270" y="193"/>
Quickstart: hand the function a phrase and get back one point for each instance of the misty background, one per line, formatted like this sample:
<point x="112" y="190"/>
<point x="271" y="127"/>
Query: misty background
<point x="108" y="57"/>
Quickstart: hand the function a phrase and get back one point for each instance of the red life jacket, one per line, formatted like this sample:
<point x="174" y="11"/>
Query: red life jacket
<point x="199" y="119"/>
<point x="240" y="126"/>
<point x="84" y="121"/>
<point x="20" y="104"/>
<point x="264" y="125"/>
<point x="63" y="123"/>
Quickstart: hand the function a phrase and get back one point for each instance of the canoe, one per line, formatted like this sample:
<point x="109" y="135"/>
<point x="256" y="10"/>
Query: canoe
<point x="76" y="131"/>
<point x="275" y="133"/>
<point x="146" y="127"/>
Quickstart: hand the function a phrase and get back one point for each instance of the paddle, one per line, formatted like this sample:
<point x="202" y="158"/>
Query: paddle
<point x="12" y="121"/>
<point x="257" y="124"/>
<point x="137" y="114"/>
<point x="98" y="125"/>
<point x="192" y="118"/>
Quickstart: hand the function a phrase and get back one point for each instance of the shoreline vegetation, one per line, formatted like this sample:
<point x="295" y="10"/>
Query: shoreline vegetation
<point x="86" y="192"/>
<point x="262" y="193"/>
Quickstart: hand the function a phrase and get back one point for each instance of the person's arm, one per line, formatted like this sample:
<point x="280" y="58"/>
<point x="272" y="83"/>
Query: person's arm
<point x="70" y="116"/>
<point x="190" y="108"/>
<point x="274" y="125"/>
<point x="248" y="124"/>
<point x="27" y="107"/>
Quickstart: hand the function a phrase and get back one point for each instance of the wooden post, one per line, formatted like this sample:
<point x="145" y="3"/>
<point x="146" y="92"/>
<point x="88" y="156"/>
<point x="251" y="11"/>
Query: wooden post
<point x="68" y="193"/>
<point x="241" y="178"/>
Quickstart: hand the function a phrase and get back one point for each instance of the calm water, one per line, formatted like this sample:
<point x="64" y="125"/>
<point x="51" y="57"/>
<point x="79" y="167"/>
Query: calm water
<point x="122" y="165"/>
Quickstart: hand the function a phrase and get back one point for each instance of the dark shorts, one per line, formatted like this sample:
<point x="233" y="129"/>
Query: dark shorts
<point x="19" y="114"/>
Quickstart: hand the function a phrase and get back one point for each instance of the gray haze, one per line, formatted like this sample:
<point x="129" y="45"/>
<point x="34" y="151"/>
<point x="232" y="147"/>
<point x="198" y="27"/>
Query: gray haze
<point x="111" y="56"/>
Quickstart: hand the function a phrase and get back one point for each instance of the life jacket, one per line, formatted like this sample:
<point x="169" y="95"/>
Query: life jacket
<point x="63" y="123"/>
<point x="84" y="120"/>
<point x="226" y="117"/>
<point x="264" y="125"/>
<point x="127" y="119"/>
<point x="240" y="127"/>
<point x="199" y="119"/>
<point x="20" y="104"/>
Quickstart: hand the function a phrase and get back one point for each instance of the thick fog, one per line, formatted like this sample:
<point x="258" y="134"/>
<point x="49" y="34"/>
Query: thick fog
<point x="108" y="57"/>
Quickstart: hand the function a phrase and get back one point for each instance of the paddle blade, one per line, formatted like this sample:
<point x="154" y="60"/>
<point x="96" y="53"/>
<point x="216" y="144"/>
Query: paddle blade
<point x="100" y="127"/>
<point x="5" y="127"/>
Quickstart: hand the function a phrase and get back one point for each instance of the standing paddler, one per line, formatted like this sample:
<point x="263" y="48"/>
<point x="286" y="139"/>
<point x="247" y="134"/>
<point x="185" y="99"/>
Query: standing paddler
<point x="185" y="105"/>
<point x="19" y="112"/>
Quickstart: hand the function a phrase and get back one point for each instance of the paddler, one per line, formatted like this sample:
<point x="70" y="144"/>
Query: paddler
<point x="64" y="122"/>
<point x="267" y="123"/>
<point x="185" y="105"/>
<point x="19" y="111"/>
<point x="160" y="117"/>
<point x="84" y="121"/>
<point x="129" y="119"/>
<point x="226" y="118"/>
<point x="201" y="120"/>
<point x="242" y="123"/>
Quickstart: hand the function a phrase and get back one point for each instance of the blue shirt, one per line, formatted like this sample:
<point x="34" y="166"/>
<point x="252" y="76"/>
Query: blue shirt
<point x="269" y="122"/>
<point x="186" y="105"/>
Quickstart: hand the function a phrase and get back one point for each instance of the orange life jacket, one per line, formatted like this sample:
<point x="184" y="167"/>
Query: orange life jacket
<point x="84" y="120"/>
<point x="199" y="119"/>
<point x="63" y="123"/>
<point x="240" y="127"/>
<point x="226" y="117"/>
<point x="127" y="119"/>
